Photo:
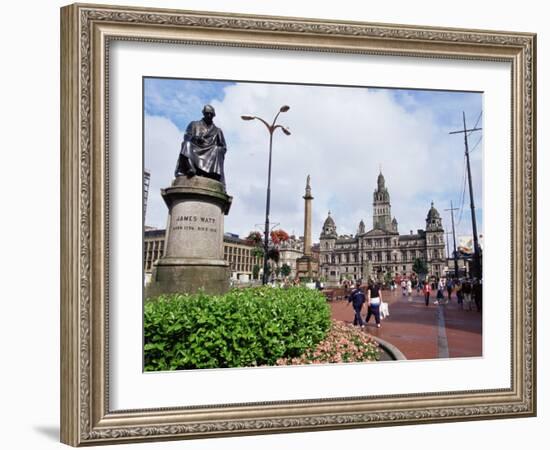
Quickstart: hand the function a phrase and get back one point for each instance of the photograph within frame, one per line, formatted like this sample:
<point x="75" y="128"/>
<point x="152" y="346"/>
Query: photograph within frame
<point x="406" y="130"/>
<point x="86" y="415"/>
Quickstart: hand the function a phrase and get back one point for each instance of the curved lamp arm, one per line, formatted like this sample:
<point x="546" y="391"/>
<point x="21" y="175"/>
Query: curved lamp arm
<point x="284" y="129"/>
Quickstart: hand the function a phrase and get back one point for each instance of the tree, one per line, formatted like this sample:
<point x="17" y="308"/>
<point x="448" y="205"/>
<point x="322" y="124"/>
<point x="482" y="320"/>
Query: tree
<point x="286" y="270"/>
<point x="258" y="252"/>
<point x="420" y="267"/>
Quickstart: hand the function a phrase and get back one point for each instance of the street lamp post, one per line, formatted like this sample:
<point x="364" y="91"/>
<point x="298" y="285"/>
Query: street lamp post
<point x="271" y="129"/>
<point x="477" y="253"/>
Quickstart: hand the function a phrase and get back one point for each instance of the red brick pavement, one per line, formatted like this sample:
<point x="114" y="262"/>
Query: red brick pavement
<point x="414" y="328"/>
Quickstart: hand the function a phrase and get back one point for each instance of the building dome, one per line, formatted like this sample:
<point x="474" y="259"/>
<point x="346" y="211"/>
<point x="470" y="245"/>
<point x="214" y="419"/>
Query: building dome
<point x="329" y="221"/>
<point x="329" y="228"/>
<point x="433" y="213"/>
<point x="433" y="221"/>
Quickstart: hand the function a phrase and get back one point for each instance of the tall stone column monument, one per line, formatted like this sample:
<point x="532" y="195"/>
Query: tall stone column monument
<point x="307" y="266"/>
<point x="197" y="202"/>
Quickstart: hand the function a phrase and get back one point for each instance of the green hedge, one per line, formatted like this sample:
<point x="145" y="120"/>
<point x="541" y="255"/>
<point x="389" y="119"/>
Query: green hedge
<point x="245" y="327"/>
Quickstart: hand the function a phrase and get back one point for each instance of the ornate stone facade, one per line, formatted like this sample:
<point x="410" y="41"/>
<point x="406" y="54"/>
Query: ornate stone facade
<point x="289" y="252"/>
<point x="381" y="250"/>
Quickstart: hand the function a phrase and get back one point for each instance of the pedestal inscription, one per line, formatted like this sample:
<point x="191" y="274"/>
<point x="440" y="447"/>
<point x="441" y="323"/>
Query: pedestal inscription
<point x="193" y="257"/>
<point x="195" y="230"/>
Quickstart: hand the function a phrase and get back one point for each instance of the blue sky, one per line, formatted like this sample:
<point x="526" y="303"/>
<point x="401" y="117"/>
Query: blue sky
<point x="341" y="136"/>
<point x="178" y="100"/>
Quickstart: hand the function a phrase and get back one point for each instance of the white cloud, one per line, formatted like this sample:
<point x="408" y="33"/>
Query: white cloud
<point x="340" y="136"/>
<point x="162" y="142"/>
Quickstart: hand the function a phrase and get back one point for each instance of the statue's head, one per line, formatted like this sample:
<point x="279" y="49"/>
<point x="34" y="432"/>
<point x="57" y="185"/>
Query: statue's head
<point x="208" y="112"/>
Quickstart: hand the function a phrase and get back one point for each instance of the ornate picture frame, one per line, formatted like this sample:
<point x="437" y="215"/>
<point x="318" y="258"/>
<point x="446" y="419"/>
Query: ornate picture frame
<point x="87" y="32"/>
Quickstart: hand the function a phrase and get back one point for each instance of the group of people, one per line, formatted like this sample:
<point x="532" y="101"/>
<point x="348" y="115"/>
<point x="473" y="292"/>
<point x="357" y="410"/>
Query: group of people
<point x="469" y="292"/>
<point x="373" y="299"/>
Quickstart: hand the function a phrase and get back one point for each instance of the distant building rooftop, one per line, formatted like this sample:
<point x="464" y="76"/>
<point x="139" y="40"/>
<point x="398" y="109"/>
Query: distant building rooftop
<point x="235" y="239"/>
<point x="151" y="232"/>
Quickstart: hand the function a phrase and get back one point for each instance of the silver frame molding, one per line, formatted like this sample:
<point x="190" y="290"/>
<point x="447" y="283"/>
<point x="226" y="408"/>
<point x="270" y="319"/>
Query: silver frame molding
<point x="86" y="31"/>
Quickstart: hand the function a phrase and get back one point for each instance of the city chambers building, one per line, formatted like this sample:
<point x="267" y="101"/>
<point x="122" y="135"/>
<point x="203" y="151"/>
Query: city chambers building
<point x="381" y="251"/>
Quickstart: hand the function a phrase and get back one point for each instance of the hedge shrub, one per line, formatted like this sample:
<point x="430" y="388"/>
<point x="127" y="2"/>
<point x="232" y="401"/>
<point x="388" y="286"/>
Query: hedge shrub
<point x="245" y="327"/>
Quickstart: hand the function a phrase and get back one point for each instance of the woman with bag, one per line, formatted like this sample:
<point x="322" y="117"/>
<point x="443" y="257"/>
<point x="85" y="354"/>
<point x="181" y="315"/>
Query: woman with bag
<point x="374" y="300"/>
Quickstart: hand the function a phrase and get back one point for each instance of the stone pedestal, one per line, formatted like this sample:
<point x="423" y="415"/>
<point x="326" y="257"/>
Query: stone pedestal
<point x="193" y="257"/>
<point x="307" y="267"/>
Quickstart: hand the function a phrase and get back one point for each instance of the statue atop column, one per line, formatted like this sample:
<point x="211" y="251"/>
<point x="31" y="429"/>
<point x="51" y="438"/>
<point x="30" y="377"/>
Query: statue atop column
<point x="203" y="149"/>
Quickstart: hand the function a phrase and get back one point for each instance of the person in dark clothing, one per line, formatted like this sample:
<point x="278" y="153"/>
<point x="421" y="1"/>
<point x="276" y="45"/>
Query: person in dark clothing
<point x="467" y="294"/>
<point x="477" y="291"/>
<point x="459" y="294"/>
<point x="374" y="300"/>
<point x="449" y="288"/>
<point x="357" y="299"/>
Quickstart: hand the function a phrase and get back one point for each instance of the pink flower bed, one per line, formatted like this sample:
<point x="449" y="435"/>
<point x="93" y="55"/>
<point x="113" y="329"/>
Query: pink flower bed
<point x="344" y="343"/>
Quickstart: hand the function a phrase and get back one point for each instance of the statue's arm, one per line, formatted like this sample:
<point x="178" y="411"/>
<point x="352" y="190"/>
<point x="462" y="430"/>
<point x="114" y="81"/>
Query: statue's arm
<point x="221" y="139"/>
<point x="189" y="132"/>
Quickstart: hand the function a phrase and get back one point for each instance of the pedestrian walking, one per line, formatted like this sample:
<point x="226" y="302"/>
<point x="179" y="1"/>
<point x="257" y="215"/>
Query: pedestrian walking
<point x="404" y="287"/>
<point x="427" y="289"/>
<point x="374" y="300"/>
<point x="449" y="288"/>
<point x="467" y="292"/>
<point x="357" y="299"/>
<point x="440" y="288"/>
<point x="459" y="294"/>
<point x="409" y="289"/>
<point x="477" y="292"/>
